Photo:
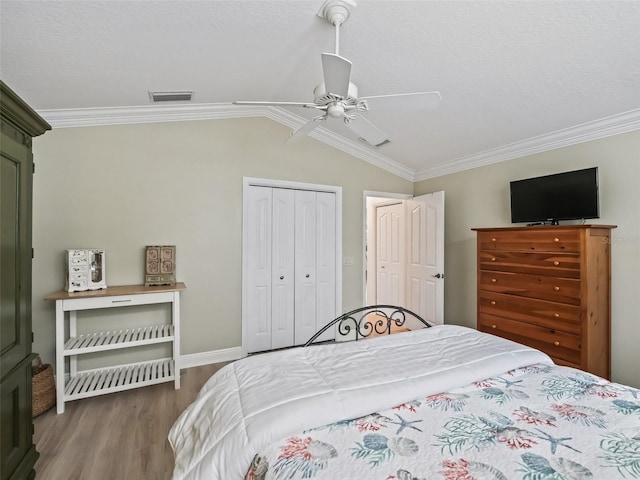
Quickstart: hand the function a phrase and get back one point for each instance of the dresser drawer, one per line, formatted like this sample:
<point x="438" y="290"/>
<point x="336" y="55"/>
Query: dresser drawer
<point x="531" y="240"/>
<point x="563" y="290"/>
<point x="565" y="265"/>
<point x="557" y="316"/>
<point x="561" y="361"/>
<point x="552" y="342"/>
<point x="84" y="300"/>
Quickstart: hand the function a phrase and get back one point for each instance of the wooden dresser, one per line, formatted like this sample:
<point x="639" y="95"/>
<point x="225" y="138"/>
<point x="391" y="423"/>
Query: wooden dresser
<point x="549" y="287"/>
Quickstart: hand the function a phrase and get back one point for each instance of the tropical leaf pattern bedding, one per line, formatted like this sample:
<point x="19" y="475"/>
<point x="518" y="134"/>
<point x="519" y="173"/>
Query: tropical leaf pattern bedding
<point x="540" y="422"/>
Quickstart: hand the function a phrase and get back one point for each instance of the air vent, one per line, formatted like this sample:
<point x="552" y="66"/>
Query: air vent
<point x="157" y="97"/>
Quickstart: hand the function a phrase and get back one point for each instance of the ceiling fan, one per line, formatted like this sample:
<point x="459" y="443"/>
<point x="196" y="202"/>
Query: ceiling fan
<point x="337" y="97"/>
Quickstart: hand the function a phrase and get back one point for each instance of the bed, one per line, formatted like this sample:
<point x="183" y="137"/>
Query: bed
<point x="444" y="402"/>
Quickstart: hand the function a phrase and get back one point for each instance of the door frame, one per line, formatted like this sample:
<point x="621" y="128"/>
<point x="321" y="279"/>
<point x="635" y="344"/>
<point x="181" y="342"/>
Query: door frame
<point x="365" y="220"/>
<point x="268" y="182"/>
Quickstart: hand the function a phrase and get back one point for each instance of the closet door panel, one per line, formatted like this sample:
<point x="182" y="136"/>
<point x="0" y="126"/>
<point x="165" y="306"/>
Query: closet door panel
<point x="259" y="236"/>
<point x="282" y="310"/>
<point x="290" y="268"/>
<point x="305" y="265"/>
<point x="325" y="262"/>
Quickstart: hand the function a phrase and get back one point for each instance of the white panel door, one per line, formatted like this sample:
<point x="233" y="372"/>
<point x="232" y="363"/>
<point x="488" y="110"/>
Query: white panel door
<point x="425" y="256"/>
<point x="325" y="262"/>
<point x="306" y="233"/>
<point x="282" y="271"/>
<point x="258" y="282"/>
<point x="291" y="272"/>
<point x="390" y="254"/>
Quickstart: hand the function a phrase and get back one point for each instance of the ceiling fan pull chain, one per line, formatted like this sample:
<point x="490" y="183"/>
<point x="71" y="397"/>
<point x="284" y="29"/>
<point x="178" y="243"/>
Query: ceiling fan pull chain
<point x="337" y="25"/>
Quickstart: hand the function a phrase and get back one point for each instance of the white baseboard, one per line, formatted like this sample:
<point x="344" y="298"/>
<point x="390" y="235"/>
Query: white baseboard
<point x="207" y="358"/>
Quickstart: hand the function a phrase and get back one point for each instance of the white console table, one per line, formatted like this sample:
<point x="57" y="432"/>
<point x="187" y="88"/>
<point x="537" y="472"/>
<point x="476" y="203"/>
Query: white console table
<point x="89" y="383"/>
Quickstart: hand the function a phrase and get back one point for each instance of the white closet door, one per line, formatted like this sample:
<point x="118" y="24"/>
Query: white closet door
<point x="259" y="253"/>
<point x="325" y="262"/>
<point x="282" y="297"/>
<point x="305" y="265"/>
<point x="290" y="268"/>
<point x="390" y="228"/>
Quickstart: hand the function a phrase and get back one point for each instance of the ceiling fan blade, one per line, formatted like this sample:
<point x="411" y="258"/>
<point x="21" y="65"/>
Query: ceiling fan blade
<point x="367" y="131"/>
<point x="275" y="104"/>
<point x="414" y="101"/>
<point x="337" y="72"/>
<point x="303" y="131"/>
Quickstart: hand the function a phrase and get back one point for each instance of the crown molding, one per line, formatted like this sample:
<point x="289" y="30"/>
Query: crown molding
<point x="605" y="127"/>
<point x="594" y="130"/>
<point x="91" y="117"/>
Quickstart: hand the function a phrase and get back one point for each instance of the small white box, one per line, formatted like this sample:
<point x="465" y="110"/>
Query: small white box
<point x="85" y="270"/>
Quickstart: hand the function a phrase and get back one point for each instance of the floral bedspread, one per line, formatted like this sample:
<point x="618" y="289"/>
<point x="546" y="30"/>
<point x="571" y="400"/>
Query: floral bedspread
<point x="539" y="422"/>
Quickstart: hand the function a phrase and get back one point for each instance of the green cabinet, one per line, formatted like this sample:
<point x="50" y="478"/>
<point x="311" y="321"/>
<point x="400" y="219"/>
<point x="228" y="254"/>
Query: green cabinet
<point x="18" y="124"/>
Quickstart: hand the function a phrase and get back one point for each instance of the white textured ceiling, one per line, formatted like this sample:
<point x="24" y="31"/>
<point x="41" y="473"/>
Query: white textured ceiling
<point x="514" y="75"/>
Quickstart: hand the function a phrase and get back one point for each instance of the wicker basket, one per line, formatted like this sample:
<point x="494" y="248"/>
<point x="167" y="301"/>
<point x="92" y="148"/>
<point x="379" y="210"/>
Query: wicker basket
<point x="44" y="387"/>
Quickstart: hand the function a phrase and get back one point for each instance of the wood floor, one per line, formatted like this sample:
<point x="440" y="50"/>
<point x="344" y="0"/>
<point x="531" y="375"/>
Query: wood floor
<point x="121" y="436"/>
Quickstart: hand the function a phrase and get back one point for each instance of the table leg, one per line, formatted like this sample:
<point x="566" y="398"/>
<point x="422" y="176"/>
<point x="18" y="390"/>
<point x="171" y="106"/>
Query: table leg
<point x="73" y="332"/>
<point x="59" y="357"/>
<point x="175" y="319"/>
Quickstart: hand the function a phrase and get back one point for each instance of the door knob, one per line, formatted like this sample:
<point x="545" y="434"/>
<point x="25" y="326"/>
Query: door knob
<point x="281" y="277"/>
<point x="438" y="275"/>
<point x="307" y="275"/>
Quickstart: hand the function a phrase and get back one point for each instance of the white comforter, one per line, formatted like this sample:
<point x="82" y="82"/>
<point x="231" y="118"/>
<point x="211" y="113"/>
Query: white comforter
<point x="255" y="401"/>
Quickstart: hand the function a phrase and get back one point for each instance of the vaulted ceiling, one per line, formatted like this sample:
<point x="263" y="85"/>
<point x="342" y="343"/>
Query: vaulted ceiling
<point x="516" y="77"/>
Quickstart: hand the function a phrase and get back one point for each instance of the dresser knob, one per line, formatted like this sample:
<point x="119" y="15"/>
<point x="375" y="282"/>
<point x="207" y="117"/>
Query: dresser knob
<point x="556" y="239"/>
<point x="556" y="288"/>
<point x="493" y="280"/>
<point x="557" y="344"/>
<point x="493" y="326"/>
<point x="556" y="315"/>
<point x="493" y="259"/>
<point x="493" y="302"/>
<point x="556" y="263"/>
<point x="493" y="239"/>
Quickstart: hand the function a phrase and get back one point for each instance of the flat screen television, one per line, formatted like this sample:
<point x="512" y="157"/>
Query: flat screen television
<point x="562" y="196"/>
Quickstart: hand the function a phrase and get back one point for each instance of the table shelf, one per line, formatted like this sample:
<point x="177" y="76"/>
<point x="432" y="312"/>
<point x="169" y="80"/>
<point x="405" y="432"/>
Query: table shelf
<point x="124" y="377"/>
<point x="132" y="337"/>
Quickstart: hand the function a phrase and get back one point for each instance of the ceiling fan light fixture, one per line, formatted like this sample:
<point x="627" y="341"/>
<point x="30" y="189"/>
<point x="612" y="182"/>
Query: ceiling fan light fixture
<point x="182" y="96"/>
<point x="336" y="110"/>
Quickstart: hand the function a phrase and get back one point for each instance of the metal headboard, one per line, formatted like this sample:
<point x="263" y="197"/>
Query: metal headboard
<point x="357" y="321"/>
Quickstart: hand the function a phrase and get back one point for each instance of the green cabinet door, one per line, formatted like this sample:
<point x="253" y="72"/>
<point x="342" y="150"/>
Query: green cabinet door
<point x="18" y="124"/>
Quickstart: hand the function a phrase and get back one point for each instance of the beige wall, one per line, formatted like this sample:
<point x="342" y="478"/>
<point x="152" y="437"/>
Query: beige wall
<point x="480" y="198"/>
<point x="123" y="187"/>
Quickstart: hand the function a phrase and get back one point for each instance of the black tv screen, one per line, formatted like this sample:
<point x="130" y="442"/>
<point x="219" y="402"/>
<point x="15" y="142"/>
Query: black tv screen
<point x="562" y="196"/>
